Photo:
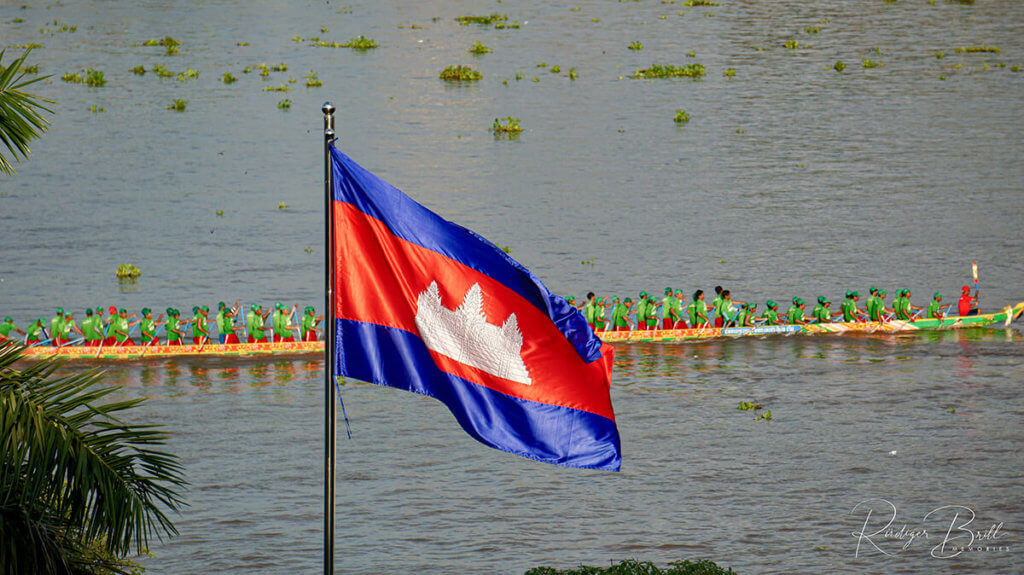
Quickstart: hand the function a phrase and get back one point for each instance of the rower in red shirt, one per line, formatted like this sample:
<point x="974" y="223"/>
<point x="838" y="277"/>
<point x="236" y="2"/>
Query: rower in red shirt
<point x="968" y="304"/>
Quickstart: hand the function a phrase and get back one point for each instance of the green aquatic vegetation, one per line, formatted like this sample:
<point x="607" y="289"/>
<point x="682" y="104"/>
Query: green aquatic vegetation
<point x="312" y="80"/>
<point x="700" y="3"/>
<point x="246" y="70"/>
<point x="171" y="50"/>
<point x="940" y="55"/>
<point x="188" y="74"/>
<point x="693" y="71"/>
<point x="459" y="73"/>
<point x="792" y="44"/>
<point x="506" y="249"/>
<point x="587" y="262"/>
<point x="281" y="205"/>
<point x="57" y="28"/>
<point x="740" y="130"/>
<point x="595" y="19"/>
<point x="635" y="567"/>
<point x="681" y="116"/>
<point x="345" y="10"/>
<point x="264" y="73"/>
<point x="89" y="77"/>
<point x="309" y="250"/>
<point x="976" y="49"/>
<point x="812" y="29"/>
<point x="636" y="45"/>
<point x="324" y="29"/>
<point x="576" y="8"/>
<point x="942" y="77"/>
<point x="28" y="45"/>
<point x="228" y="78"/>
<point x="127" y="271"/>
<point x="220" y="213"/>
<point x="139" y="70"/>
<point x="281" y="88"/>
<point x="17" y="20"/>
<point x="839" y="66"/>
<point x="178" y="105"/>
<point x="285" y="104"/>
<point x="966" y="2"/>
<point x="499" y="21"/>
<point x="161" y="71"/>
<point x="33" y="69"/>
<point x="749" y="406"/>
<point x="361" y="43"/>
<point x="165" y="41"/>
<point x="97" y="109"/>
<point x="292" y="80"/>
<point x="691" y="54"/>
<point x="556" y="69"/>
<point x="572" y="74"/>
<point x="824" y="21"/>
<point x="1015" y="68"/>
<point x="479" y="48"/>
<point x="508" y="126"/>
<point x="504" y="25"/>
<point x="242" y="43"/>
<point x="766" y="416"/>
<point x="868" y="63"/>
<point x="542" y="64"/>
<point x="298" y="39"/>
<point x="282" y="67"/>
<point x="729" y="72"/>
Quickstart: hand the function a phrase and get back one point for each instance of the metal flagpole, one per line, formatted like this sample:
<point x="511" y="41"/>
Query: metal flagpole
<point x="330" y="400"/>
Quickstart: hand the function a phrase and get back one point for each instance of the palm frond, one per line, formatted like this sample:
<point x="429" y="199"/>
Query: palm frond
<point x="71" y="472"/>
<point x="20" y="112"/>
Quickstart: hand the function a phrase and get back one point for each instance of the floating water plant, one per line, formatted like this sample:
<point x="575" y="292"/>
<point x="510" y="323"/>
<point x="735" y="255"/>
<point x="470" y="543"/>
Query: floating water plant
<point x="519" y="76"/>
<point x="188" y="74"/>
<point x="89" y="77"/>
<point x="572" y="74"/>
<point x="139" y="70"/>
<point x="691" y="54"/>
<point x="282" y="67"/>
<point x="220" y="213"/>
<point x="162" y="71"/>
<point x="658" y="71"/>
<point x="868" y="63"/>
<point x="508" y="126"/>
<point x="792" y="44"/>
<point x="360" y="42"/>
<point x="812" y="29"/>
<point x="97" y="109"/>
<point x="482" y="20"/>
<point x="281" y="88"/>
<point x="940" y="55"/>
<point x="1015" y="68"/>
<point x="241" y="44"/>
<point x="587" y="262"/>
<point x="479" y="48"/>
<point x="228" y="78"/>
<point x="636" y="45"/>
<point x="974" y="49"/>
<point x="506" y="249"/>
<point x="839" y="66"/>
<point x="28" y="45"/>
<point x="178" y="105"/>
<point x="33" y="69"/>
<point x="729" y="72"/>
<point x="127" y="271"/>
<point x="542" y="64"/>
<point x="312" y="80"/>
<point x="460" y="73"/>
<point x="699" y="3"/>
<point x="281" y="205"/>
<point x="749" y="406"/>
<point x="165" y="41"/>
<point x="171" y="51"/>
<point x="681" y="117"/>
<point x="766" y="416"/>
<point x="556" y="69"/>
<point x="285" y="104"/>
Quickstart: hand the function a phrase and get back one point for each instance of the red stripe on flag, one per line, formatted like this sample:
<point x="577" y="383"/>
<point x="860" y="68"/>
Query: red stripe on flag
<point x="379" y="277"/>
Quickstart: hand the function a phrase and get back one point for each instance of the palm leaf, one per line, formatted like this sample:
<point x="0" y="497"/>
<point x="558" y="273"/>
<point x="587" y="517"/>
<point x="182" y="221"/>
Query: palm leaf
<point x="20" y="117"/>
<point x="72" y="473"/>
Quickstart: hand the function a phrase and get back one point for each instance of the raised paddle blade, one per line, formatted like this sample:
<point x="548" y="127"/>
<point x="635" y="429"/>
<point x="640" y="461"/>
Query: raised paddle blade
<point x="974" y="270"/>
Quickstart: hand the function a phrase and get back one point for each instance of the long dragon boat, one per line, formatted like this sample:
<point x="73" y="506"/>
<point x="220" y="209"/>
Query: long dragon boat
<point x="137" y="352"/>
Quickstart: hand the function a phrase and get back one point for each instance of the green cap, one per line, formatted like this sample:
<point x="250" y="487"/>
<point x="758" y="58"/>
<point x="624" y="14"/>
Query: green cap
<point x="222" y="305"/>
<point x="800" y="301"/>
<point x="643" y="294"/>
<point x="204" y="308"/>
<point x="8" y="319"/>
<point x="99" y="310"/>
<point x="825" y="301"/>
<point x="195" y="309"/>
<point x="627" y="300"/>
<point x="679" y="292"/>
<point x="872" y="289"/>
<point x="278" y="305"/>
<point x="937" y="295"/>
<point x="571" y="298"/>
<point x="60" y="311"/>
<point x="855" y="294"/>
<point x="796" y="301"/>
<point x="849" y="293"/>
<point x="145" y="311"/>
<point x="882" y="292"/>
<point x="39" y="321"/>
<point x="668" y="291"/>
<point x="771" y="304"/>
<point x="88" y="311"/>
<point x="170" y="311"/>
<point x="821" y="299"/>
<point x="254" y="307"/>
<point x="310" y="309"/>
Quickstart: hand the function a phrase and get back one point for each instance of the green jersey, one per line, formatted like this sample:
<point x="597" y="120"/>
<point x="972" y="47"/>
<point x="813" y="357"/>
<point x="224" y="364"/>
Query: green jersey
<point x="87" y="331"/>
<point x="741" y="317"/>
<point x="256" y="328"/>
<point x="56" y="326"/>
<point x="678" y="309"/>
<point x="307" y="325"/>
<point x="619" y="316"/>
<point x="218" y="321"/>
<point x="822" y="313"/>
<point x="652" y="315"/>
<point x="282" y="326"/>
<point x="33" y="331"/>
<point x="725" y="310"/>
<point x="172" y="327"/>
<point x="933" y="308"/>
<point x="6" y="328"/>
<point x="794" y="314"/>
<point x="641" y="310"/>
<point x="667" y="305"/>
<point x="697" y="309"/>
<point x="899" y="307"/>
<point x="198" y="325"/>
<point x="66" y="327"/>
<point x="716" y="304"/>
<point x="849" y="309"/>
<point x="120" y="329"/>
<point x="771" y="317"/>
<point x="147" y="329"/>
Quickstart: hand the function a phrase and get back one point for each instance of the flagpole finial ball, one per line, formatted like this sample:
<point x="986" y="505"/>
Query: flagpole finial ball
<point x="328" y="108"/>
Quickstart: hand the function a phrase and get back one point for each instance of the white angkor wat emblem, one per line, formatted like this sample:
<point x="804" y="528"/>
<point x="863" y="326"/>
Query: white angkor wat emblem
<point x="464" y="335"/>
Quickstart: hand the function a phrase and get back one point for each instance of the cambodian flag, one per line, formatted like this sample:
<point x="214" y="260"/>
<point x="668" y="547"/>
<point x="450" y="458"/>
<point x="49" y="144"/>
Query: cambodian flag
<point x="428" y="306"/>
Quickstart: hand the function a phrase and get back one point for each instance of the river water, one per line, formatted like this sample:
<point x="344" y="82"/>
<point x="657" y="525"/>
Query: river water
<point x="789" y="179"/>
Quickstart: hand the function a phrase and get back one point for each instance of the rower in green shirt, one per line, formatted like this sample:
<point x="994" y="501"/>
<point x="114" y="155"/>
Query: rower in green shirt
<point x="878" y="312"/>
<point x="226" y="323"/>
<point x="909" y="308"/>
<point x="771" y="315"/>
<point x="679" y="311"/>
<point x="726" y="308"/>
<point x="698" y="310"/>
<point x="934" y="305"/>
<point x="620" y="315"/>
<point x="88" y="333"/>
<point x="7" y="327"/>
<point x="283" y="329"/>
<point x="849" y="307"/>
<point x="667" y="307"/>
<point x="651" y="319"/>
<point x="174" y="333"/>
<point x="745" y="315"/>
<point x="822" y="312"/>
<point x="148" y="326"/>
<point x="121" y="327"/>
<point x="602" y="323"/>
<point x="308" y="328"/>
<point x="256" y="327"/>
<point x="641" y="310"/>
<point x="795" y="313"/>
<point x="590" y="310"/>
<point x="871" y="301"/>
<point x="57" y="328"/>
<point x="33" y="332"/>
<point x="716" y="303"/>
<point x="67" y="327"/>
